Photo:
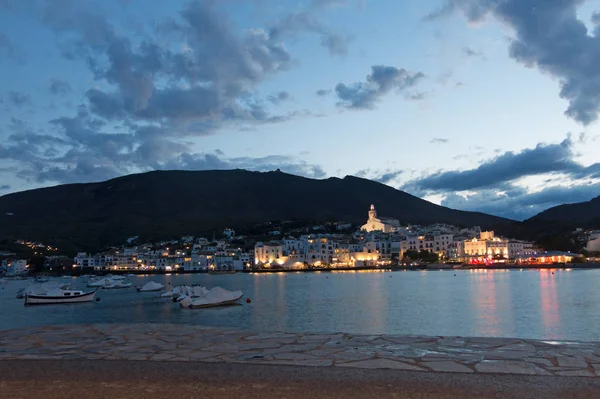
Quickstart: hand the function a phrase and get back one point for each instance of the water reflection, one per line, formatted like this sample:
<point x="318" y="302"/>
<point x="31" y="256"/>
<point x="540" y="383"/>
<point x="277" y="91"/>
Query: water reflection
<point x="549" y="302"/>
<point x="485" y="289"/>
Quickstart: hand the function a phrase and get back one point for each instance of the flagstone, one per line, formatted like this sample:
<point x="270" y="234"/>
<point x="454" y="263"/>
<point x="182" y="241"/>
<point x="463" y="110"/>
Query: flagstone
<point x="509" y="367"/>
<point x="567" y="361"/>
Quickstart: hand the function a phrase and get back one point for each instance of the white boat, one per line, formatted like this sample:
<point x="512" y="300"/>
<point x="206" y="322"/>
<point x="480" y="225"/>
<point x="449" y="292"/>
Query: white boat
<point x="60" y="296"/>
<point x="216" y="296"/>
<point x="151" y="286"/>
<point x="40" y="289"/>
<point x="99" y="282"/>
<point x="112" y="284"/>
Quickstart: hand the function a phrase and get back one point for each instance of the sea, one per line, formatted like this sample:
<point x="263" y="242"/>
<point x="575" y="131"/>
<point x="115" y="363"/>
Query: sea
<point x="540" y="304"/>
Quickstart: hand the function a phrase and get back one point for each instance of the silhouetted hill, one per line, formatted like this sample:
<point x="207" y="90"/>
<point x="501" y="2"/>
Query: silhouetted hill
<point x="166" y="204"/>
<point x="582" y="214"/>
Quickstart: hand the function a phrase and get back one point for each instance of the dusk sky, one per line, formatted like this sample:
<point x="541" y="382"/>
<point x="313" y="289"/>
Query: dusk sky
<point x="487" y="105"/>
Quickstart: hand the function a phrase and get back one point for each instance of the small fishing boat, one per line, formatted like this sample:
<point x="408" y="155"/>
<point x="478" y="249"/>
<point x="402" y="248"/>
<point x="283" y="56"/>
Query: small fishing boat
<point x="151" y="286"/>
<point x="60" y="296"/>
<point x="112" y="284"/>
<point x="216" y="296"/>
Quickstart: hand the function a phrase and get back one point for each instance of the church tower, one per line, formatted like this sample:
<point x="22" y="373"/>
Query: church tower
<point x="372" y="212"/>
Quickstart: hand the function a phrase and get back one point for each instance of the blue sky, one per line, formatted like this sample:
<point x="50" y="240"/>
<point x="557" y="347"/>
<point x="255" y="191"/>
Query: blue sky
<point x="487" y="105"/>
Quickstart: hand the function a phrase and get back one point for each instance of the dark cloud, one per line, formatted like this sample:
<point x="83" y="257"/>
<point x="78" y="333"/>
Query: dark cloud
<point x="596" y="18"/>
<point x="213" y="75"/>
<point x="438" y="140"/>
<point x="59" y="87"/>
<point x="544" y="158"/>
<point x="519" y="204"/>
<point x="19" y="99"/>
<point x="382" y="80"/>
<point x="323" y="92"/>
<point x="279" y="97"/>
<point x="549" y="36"/>
<point x="5" y="187"/>
<point x="151" y="95"/>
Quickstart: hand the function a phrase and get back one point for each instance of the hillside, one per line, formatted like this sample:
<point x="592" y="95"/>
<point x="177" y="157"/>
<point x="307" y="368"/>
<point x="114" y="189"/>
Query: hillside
<point x="582" y="214"/>
<point x="165" y="204"/>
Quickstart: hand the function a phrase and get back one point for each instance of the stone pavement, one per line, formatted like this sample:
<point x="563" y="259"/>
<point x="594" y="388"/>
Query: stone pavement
<point x="182" y="343"/>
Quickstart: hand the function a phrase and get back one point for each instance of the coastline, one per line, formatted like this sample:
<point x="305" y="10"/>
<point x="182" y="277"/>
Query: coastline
<point x="423" y="267"/>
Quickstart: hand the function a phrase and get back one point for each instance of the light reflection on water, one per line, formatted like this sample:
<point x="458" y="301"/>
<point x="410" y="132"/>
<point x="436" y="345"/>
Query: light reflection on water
<point x="544" y="304"/>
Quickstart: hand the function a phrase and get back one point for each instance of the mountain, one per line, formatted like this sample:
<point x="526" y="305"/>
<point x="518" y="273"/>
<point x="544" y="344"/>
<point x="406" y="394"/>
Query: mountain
<point x="554" y="227"/>
<point x="581" y="214"/>
<point x="166" y="204"/>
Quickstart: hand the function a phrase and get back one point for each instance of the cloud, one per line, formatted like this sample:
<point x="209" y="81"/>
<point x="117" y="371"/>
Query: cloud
<point x="382" y="80"/>
<point x="385" y="176"/>
<point x="438" y="140"/>
<point x="19" y="99"/>
<point x="4" y="187"/>
<point x="309" y="21"/>
<point x="549" y="36"/>
<point x="336" y="44"/>
<point x="59" y="87"/>
<point x="285" y="163"/>
<point x="519" y="204"/>
<point x="469" y="52"/>
<point x="323" y="92"/>
<point x="279" y="97"/>
<point x="510" y="166"/>
<point x="196" y="89"/>
<point x="11" y="51"/>
<point x="416" y="96"/>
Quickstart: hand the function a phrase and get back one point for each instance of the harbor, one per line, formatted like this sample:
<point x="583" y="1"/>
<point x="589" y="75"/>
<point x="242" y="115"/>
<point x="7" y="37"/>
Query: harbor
<point x="537" y="304"/>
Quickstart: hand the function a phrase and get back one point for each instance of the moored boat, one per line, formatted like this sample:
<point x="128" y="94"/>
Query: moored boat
<point x="112" y="284"/>
<point x="216" y="296"/>
<point x="60" y="296"/>
<point x="151" y="286"/>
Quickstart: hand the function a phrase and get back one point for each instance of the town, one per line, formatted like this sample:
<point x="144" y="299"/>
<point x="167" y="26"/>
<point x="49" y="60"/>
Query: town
<point x="380" y="242"/>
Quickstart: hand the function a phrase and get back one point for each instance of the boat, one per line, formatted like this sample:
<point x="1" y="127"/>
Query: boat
<point x="98" y="282"/>
<point x="41" y="279"/>
<point x="216" y="296"/>
<point x="40" y="289"/>
<point x="60" y="296"/>
<point x="112" y="284"/>
<point x="151" y="286"/>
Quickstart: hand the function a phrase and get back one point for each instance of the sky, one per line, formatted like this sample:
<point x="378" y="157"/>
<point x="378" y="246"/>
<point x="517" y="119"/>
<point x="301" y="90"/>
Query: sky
<point x="485" y="105"/>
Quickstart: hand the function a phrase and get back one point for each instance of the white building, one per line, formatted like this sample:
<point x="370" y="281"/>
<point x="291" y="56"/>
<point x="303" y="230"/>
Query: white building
<point x="16" y="267"/>
<point x="271" y="252"/>
<point x="383" y="224"/>
<point x="487" y="245"/>
<point x="593" y="244"/>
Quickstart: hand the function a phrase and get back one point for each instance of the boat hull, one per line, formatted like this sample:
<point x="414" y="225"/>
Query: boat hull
<point x="212" y="305"/>
<point x="49" y="300"/>
<point x="116" y="287"/>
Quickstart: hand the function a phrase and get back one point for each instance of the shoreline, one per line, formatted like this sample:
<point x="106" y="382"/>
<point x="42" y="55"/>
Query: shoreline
<point x="431" y="266"/>
<point x="200" y="344"/>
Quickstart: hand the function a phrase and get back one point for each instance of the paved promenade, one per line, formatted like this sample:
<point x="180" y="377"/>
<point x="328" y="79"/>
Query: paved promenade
<point x="180" y="343"/>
